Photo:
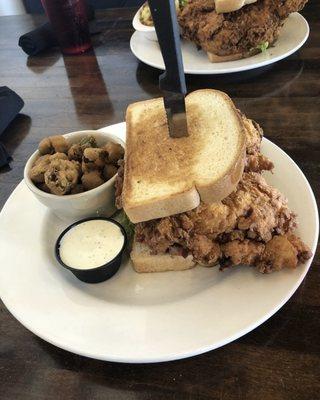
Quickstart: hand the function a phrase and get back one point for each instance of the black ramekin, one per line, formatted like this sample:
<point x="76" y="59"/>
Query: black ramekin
<point x="98" y="274"/>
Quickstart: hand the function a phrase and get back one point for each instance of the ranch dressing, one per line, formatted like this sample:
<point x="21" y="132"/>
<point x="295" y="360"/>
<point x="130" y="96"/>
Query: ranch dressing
<point x="91" y="244"/>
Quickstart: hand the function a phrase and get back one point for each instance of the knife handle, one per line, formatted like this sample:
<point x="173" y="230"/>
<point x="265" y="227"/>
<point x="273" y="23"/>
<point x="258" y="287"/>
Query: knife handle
<point x="165" y="22"/>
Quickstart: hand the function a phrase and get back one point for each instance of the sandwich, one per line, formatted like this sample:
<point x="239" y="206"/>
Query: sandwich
<point x="233" y="29"/>
<point x="202" y="199"/>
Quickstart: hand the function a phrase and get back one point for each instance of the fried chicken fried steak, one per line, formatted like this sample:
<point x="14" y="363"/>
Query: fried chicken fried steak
<point x="233" y="35"/>
<point x="253" y="225"/>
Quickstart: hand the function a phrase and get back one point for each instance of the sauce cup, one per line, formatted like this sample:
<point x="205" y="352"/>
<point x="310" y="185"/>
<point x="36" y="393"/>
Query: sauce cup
<point x="92" y="274"/>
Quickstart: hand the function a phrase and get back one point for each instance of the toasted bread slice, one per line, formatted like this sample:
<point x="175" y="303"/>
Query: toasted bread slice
<point x="225" y="6"/>
<point x="215" y="58"/>
<point x="165" y="176"/>
<point x="144" y="261"/>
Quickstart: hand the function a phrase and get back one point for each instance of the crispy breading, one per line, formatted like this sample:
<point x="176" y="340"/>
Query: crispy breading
<point x="261" y="209"/>
<point x="279" y="253"/>
<point x="255" y="161"/>
<point x="239" y="252"/>
<point x="236" y="32"/>
<point x="62" y="176"/>
<point x="42" y="164"/>
<point x="282" y="251"/>
<point x="255" y="211"/>
<point x="53" y="144"/>
<point x="304" y="253"/>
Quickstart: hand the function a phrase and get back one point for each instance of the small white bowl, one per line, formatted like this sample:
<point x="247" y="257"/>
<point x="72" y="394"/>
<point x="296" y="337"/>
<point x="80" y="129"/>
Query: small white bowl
<point x="148" y="31"/>
<point x="94" y="202"/>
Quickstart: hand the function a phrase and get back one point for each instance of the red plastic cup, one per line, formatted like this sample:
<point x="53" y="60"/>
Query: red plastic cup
<point x="70" y="23"/>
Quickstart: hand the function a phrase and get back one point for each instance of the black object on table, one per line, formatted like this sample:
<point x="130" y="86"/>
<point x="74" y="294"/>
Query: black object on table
<point x="44" y="37"/>
<point x="10" y="105"/>
<point x="172" y="81"/>
<point x="38" y="40"/>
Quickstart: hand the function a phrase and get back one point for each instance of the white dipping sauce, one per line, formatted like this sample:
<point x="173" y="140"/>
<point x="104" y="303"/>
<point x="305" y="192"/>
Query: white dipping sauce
<point x="91" y="244"/>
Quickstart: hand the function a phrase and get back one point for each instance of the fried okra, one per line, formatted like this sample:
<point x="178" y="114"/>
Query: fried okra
<point x="76" y="150"/>
<point x="53" y="144"/>
<point x="91" y="180"/>
<point x="42" y="164"/>
<point x="43" y="187"/>
<point x="115" y="152"/>
<point x="109" y="171"/>
<point x="77" y="189"/>
<point x="88" y="141"/>
<point x="62" y="169"/>
<point x="94" y="159"/>
<point x="61" y="176"/>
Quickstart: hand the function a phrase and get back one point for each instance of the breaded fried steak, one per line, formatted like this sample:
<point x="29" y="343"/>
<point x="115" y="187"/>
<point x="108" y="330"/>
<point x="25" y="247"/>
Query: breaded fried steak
<point x="238" y="34"/>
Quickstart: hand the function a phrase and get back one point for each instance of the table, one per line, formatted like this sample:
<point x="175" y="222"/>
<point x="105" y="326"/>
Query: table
<point x="277" y="361"/>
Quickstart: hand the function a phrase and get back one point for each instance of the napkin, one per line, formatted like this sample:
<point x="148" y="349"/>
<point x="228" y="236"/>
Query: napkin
<point x="10" y="106"/>
<point x="38" y="40"/>
<point x="44" y="37"/>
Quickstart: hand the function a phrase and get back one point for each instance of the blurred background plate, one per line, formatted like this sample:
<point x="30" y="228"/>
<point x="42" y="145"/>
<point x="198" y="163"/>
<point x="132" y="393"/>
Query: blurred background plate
<point x="293" y="35"/>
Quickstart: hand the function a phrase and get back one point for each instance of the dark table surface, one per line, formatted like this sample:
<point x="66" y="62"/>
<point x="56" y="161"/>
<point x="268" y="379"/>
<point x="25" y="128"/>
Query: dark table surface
<point x="278" y="360"/>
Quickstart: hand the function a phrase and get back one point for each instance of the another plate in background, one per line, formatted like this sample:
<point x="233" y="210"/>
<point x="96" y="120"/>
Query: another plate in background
<point x="293" y="35"/>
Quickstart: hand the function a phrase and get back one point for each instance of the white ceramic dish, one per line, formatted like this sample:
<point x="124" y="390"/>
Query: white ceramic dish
<point x="98" y="201"/>
<point x="141" y="317"/>
<point x="149" y="32"/>
<point x="293" y="35"/>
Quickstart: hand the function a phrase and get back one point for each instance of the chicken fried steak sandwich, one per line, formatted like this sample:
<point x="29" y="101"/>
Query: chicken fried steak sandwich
<point x="202" y="199"/>
<point x="233" y="29"/>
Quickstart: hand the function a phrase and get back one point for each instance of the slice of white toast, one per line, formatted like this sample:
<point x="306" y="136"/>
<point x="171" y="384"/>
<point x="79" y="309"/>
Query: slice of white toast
<point x="164" y="176"/>
<point x="144" y="261"/>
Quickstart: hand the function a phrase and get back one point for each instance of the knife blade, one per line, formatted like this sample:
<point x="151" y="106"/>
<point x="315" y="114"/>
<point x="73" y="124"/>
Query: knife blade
<point x="174" y="104"/>
<point x="172" y="81"/>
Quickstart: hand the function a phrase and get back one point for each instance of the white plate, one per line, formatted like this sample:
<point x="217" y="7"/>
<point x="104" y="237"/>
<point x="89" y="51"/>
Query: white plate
<point x="293" y="35"/>
<point x="141" y="317"/>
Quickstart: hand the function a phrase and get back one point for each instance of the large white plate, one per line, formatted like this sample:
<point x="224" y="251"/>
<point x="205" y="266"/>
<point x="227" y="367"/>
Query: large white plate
<point x="293" y="35"/>
<point x="148" y="317"/>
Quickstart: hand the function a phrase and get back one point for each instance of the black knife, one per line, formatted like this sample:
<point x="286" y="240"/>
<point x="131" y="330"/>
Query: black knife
<point x="172" y="81"/>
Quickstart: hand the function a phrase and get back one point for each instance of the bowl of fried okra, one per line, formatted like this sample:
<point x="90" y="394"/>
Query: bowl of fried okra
<point x="74" y="174"/>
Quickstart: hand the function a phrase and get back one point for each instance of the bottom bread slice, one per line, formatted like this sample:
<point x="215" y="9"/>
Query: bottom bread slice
<point x="144" y="261"/>
<point x="214" y="58"/>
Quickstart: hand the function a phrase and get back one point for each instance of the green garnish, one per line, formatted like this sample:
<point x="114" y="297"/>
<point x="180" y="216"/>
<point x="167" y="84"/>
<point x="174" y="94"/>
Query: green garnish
<point x="128" y="226"/>
<point x="263" y="46"/>
<point x="88" y="141"/>
<point x="183" y="3"/>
